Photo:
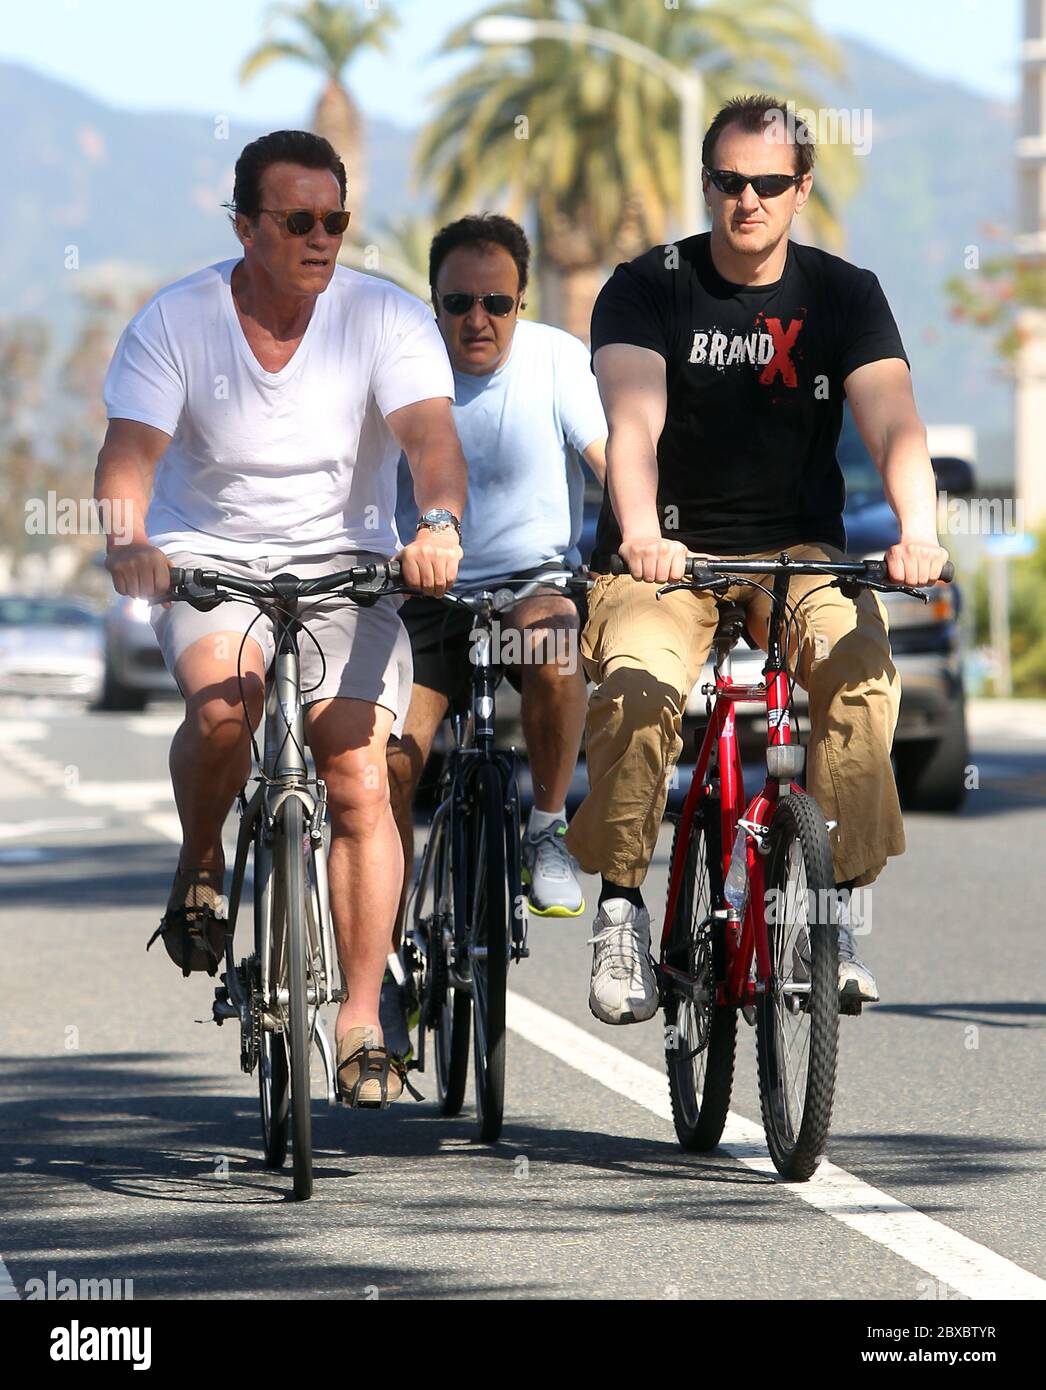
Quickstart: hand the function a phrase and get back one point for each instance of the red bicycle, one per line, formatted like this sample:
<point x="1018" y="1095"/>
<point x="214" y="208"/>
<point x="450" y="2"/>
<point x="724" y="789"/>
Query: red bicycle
<point x="750" y="922"/>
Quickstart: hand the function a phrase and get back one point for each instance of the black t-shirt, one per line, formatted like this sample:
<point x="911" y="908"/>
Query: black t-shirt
<point x="747" y="458"/>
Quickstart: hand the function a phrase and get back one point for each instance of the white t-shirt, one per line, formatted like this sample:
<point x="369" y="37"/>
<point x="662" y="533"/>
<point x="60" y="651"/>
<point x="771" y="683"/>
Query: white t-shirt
<point x="295" y="462"/>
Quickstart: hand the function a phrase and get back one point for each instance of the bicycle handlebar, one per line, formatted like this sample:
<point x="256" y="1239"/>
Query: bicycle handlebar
<point x="371" y="579"/>
<point x="708" y="572"/>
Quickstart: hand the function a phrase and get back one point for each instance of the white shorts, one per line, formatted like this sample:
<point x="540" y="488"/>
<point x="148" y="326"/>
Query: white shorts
<point x="365" y="651"/>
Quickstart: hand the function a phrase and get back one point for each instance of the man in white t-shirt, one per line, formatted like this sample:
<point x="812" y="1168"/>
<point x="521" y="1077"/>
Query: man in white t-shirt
<point x="261" y="404"/>
<point x="527" y="411"/>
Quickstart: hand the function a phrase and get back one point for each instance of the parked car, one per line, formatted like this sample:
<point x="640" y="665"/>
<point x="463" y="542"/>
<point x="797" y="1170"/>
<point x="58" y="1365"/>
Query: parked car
<point x="50" y="646"/>
<point x="134" y="669"/>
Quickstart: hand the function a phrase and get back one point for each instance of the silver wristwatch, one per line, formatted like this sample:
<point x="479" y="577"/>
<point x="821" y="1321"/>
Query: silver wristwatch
<point x="439" y="519"/>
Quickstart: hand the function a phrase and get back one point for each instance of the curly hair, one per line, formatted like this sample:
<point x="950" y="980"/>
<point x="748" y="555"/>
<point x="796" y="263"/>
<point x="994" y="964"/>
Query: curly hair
<point x="484" y="229"/>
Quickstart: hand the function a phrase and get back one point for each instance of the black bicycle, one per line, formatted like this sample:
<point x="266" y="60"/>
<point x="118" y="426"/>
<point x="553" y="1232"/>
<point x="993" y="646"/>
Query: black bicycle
<point x="467" y="913"/>
<point x="277" y="991"/>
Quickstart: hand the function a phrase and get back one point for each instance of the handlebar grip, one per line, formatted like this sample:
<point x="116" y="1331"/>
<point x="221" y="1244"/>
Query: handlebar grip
<point x="876" y="569"/>
<point x="618" y="565"/>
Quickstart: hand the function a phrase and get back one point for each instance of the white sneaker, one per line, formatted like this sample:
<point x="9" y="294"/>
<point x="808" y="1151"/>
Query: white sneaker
<point x="623" y="987"/>
<point x="856" y="981"/>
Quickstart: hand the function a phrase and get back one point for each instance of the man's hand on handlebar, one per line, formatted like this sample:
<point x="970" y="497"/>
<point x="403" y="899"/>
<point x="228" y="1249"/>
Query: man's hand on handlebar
<point x="139" y="571"/>
<point x="430" y="562"/>
<point x="656" y="559"/>
<point x="916" y="562"/>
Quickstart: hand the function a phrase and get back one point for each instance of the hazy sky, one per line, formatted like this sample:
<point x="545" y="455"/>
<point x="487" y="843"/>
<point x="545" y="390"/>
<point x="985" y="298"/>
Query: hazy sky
<point x="185" y="55"/>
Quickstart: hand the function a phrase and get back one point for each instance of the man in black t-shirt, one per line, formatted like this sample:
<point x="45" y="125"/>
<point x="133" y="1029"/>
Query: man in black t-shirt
<point x="723" y="363"/>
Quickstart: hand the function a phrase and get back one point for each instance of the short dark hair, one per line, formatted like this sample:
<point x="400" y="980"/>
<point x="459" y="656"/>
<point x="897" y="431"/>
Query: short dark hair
<point x="280" y="147"/>
<point x="754" y="114"/>
<point x="483" y="229"/>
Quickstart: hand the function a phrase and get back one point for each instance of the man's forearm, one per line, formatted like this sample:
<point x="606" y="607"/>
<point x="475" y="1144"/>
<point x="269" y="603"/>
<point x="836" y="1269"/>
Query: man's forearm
<point x="909" y="485"/>
<point x="122" y="491"/>
<point x="632" y="481"/>
<point x="440" y="478"/>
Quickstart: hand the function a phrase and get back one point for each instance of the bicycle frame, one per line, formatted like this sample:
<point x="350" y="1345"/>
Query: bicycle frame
<point x="473" y="733"/>
<point x="284" y="774"/>
<point x="746" y="935"/>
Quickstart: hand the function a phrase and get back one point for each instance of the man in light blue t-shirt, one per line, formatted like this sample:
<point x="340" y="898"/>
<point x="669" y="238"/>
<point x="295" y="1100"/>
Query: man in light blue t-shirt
<point x="527" y="411"/>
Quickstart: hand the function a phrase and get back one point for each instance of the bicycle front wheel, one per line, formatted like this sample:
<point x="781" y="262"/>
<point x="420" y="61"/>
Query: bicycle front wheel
<point x="273" y="1077"/>
<point x="797" y="1019"/>
<point x="489" y="935"/>
<point x="700" y="1033"/>
<point x="291" y="861"/>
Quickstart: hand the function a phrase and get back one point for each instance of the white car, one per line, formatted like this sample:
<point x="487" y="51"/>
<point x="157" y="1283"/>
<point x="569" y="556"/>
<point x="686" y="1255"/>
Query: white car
<point x="50" y="646"/>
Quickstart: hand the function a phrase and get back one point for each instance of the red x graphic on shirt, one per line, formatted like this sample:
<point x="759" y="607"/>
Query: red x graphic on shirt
<point x="781" y="362"/>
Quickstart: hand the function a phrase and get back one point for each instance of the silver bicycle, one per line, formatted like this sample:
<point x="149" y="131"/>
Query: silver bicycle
<point x="278" y="990"/>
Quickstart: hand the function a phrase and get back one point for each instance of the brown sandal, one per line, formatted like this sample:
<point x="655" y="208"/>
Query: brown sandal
<point x="368" y="1075"/>
<point x="193" y="927"/>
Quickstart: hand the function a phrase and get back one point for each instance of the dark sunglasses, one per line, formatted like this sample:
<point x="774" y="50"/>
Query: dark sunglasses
<point x="731" y="183"/>
<point x="458" y="303"/>
<point x="300" y="221"/>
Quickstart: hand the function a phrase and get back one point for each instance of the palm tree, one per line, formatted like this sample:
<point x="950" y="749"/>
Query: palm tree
<point x="590" y="140"/>
<point x="329" y="35"/>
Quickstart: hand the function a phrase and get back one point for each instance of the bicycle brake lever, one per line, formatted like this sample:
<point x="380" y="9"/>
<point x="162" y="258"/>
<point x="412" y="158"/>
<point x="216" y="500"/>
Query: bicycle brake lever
<point x="718" y="585"/>
<point x="850" y="588"/>
<point x="201" y="596"/>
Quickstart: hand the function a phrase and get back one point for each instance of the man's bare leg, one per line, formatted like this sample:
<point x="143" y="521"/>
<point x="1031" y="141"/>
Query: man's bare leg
<point x="210" y="755"/>
<point x="554" y="695"/>
<point x="365" y="864"/>
<point x="407" y="757"/>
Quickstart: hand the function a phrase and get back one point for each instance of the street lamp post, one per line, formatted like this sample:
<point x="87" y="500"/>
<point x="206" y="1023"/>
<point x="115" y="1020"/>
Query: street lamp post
<point x="688" y="86"/>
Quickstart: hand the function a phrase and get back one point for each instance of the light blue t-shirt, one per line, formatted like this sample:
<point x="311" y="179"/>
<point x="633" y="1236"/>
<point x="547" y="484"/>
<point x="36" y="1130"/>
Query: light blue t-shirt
<point x="522" y="429"/>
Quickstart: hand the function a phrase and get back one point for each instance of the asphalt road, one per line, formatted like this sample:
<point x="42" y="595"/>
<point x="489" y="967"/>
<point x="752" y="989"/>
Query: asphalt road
<point x="129" y="1147"/>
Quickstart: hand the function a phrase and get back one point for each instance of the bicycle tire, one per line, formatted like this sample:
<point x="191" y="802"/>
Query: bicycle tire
<point x="273" y="1075"/>
<point x="451" y="1035"/>
<point x="700" y="1078"/>
<point x="797" y="1111"/>
<point x="489" y="937"/>
<point x="292" y="866"/>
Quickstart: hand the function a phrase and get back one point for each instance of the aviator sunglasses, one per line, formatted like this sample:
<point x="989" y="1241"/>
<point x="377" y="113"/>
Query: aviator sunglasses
<point x="733" y="184"/>
<point x="458" y="303"/>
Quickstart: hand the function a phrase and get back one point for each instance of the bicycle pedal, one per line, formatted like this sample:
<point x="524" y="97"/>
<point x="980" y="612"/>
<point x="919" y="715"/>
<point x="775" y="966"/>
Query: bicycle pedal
<point x="748" y="1014"/>
<point x="849" y="1006"/>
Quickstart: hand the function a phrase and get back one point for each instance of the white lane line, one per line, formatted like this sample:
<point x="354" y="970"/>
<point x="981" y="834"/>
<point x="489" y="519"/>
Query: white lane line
<point x="953" y="1259"/>
<point x="8" y="1291"/>
<point x="158" y="725"/>
<point x="127" y="796"/>
<point x="165" y="823"/>
<point x="18" y="730"/>
<point x="10" y="830"/>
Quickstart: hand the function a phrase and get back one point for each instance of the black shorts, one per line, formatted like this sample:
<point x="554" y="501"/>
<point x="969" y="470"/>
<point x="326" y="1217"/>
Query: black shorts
<point x="440" y="641"/>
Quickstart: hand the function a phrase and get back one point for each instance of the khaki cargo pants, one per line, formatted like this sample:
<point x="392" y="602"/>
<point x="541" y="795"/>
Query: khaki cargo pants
<point x="645" y="655"/>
